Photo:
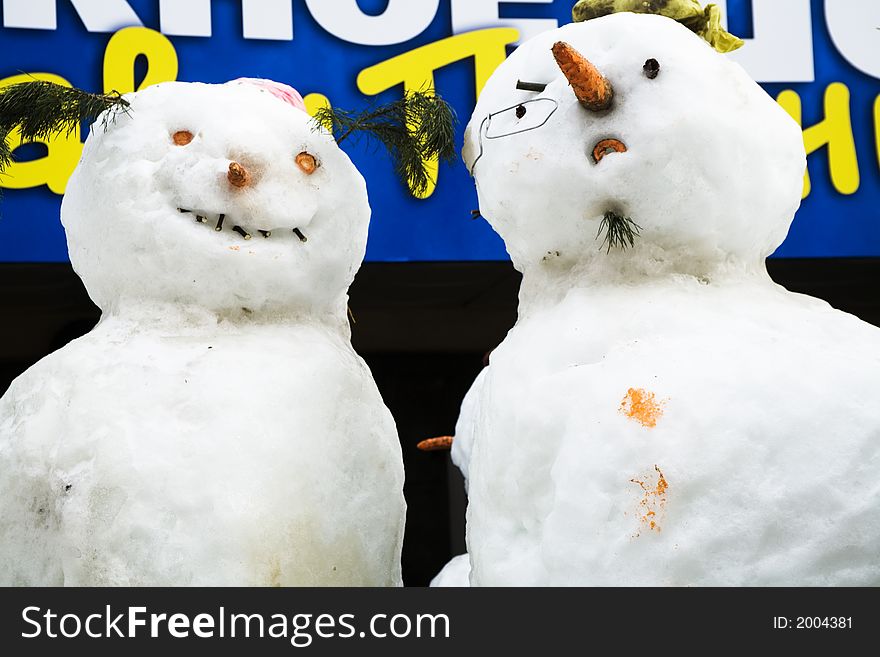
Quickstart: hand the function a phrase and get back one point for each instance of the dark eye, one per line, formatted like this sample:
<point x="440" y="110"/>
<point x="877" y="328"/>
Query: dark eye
<point x="182" y="137"/>
<point x="520" y="111"/>
<point x="652" y="68"/>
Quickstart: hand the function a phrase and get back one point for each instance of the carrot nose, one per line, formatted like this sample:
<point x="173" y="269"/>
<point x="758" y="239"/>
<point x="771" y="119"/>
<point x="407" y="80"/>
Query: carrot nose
<point x="237" y="175"/>
<point x="592" y="89"/>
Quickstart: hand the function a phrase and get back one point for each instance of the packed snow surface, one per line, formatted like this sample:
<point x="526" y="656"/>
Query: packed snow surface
<point x="466" y="426"/>
<point x="679" y="432"/>
<point x="216" y="427"/>
<point x="662" y="414"/>
<point x="454" y="574"/>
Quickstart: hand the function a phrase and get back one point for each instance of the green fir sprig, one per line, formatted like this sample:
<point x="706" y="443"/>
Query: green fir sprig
<point x="41" y="109"/>
<point x="620" y="232"/>
<point x="416" y="128"/>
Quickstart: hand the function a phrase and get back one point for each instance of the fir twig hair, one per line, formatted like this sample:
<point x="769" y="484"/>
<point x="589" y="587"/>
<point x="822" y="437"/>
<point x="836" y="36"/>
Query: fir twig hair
<point x="40" y="109"/>
<point x="690" y="13"/>
<point x="418" y="127"/>
<point x="620" y="232"/>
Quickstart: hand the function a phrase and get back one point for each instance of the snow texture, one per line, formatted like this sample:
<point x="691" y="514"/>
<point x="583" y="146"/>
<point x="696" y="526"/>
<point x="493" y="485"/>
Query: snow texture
<point x="663" y="414"/>
<point x="454" y="574"/>
<point x="457" y="571"/>
<point x="216" y="427"/>
<point x="466" y="426"/>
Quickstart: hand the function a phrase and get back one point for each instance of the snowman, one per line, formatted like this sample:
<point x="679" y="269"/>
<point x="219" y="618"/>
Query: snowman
<point x="216" y="427"/>
<point x="662" y="413"/>
<point x="456" y="573"/>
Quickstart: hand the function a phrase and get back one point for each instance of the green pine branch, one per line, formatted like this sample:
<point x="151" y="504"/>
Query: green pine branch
<point x="414" y="129"/>
<point x="41" y="109"/>
<point x="620" y="232"/>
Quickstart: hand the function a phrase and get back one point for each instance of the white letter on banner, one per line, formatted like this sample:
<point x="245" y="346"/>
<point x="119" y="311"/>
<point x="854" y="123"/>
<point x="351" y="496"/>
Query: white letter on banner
<point x="854" y="26"/>
<point x="30" y="14"/>
<point x="268" y="19"/>
<point x="468" y="15"/>
<point x="262" y="19"/>
<point x="782" y="50"/>
<point x="191" y="18"/>
<point x="96" y="15"/>
<point x="401" y="21"/>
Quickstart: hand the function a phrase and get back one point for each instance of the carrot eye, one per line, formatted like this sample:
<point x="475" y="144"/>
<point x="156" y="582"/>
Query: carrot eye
<point x="307" y="162"/>
<point x="182" y="137"/>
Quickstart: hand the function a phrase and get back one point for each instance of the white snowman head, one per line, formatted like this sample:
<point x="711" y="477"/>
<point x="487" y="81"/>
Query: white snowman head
<point x="646" y="122"/>
<point x="219" y="196"/>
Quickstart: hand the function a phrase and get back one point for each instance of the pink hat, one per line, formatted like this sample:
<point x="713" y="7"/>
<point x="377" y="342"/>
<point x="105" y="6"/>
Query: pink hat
<point x="281" y="91"/>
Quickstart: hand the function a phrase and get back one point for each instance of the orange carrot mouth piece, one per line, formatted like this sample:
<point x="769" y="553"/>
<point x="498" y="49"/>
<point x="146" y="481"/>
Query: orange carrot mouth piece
<point x="607" y="146"/>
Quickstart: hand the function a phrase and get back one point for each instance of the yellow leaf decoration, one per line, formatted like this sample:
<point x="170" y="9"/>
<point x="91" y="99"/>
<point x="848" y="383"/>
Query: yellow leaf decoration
<point x="704" y="22"/>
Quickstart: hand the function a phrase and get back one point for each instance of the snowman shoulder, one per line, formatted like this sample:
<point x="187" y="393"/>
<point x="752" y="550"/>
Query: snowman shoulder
<point x="33" y="408"/>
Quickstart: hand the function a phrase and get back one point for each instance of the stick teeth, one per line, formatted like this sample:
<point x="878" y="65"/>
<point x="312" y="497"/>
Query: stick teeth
<point x="201" y="217"/>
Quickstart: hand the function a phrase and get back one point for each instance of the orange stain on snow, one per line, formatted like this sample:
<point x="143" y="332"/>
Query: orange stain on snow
<point x="642" y="406"/>
<point x="653" y="501"/>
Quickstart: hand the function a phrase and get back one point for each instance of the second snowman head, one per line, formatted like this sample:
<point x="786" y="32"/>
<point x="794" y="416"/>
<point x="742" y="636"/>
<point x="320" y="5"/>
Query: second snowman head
<point x="631" y="117"/>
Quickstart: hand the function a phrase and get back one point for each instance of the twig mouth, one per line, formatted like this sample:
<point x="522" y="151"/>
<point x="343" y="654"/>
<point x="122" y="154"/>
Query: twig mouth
<point x="620" y="232"/>
<point x="607" y="146"/>
<point x="220" y="222"/>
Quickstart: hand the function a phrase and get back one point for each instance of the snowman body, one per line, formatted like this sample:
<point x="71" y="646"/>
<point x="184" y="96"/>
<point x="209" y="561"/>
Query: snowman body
<point x="687" y="434"/>
<point x="216" y="427"/>
<point x="662" y="414"/>
<point x="230" y="454"/>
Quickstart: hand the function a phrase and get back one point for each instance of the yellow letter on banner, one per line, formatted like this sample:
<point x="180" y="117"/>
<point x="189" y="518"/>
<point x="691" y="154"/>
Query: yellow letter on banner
<point x="55" y="168"/>
<point x="315" y="102"/>
<point x="877" y="126"/>
<point x="124" y="48"/>
<point x="66" y="149"/>
<point x="415" y="69"/>
<point x="834" y="131"/>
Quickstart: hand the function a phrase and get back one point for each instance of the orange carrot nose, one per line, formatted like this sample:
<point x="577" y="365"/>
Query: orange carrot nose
<point x="238" y="176"/>
<point x="592" y="89"/>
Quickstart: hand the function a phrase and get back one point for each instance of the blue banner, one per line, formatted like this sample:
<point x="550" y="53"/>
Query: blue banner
<point x="818" y="58"/>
